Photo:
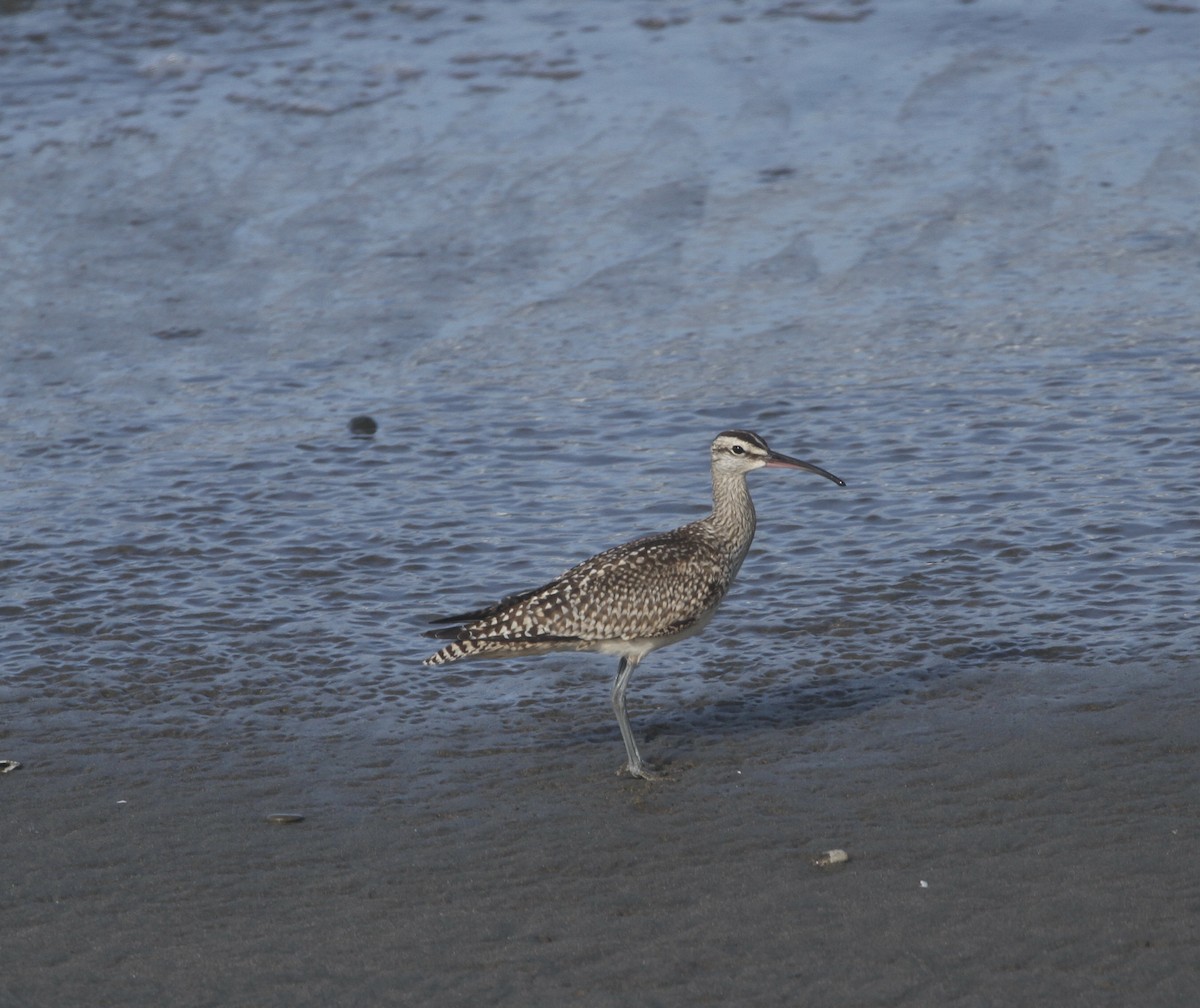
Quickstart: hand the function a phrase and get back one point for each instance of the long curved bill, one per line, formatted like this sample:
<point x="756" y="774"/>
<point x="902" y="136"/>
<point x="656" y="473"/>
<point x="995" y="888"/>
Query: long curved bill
<point x="777" y="461"/>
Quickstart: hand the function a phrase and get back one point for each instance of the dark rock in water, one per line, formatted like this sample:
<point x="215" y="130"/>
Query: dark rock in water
<point x="364" y="426"/>
<point x="175" y="333"/>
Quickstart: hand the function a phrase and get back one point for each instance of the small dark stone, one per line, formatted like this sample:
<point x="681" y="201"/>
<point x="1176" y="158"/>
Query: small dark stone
<point x="363" y="425"/>
<point x="172" y="334"/>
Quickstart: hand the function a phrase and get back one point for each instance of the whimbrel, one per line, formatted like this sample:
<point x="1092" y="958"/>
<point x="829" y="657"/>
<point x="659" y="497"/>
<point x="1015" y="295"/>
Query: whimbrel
<point x="635" y="598"/>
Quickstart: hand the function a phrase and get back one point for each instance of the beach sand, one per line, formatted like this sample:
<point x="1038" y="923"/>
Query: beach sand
<point x="1006" y="847"/>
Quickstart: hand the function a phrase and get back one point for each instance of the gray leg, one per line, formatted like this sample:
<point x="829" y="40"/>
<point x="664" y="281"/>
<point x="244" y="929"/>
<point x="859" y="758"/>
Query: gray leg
<point x="633" y="765"/>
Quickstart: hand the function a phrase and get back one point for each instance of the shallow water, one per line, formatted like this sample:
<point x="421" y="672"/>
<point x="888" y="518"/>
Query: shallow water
<point x="553" y="252"/>
<point x="551" y="302"/>
<point x="1038" y="506"/>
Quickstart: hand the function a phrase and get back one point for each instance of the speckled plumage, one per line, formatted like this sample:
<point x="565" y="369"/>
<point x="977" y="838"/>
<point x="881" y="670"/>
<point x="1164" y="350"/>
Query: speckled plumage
<point x="656" y="586"/>
<point x="633" y="598"/>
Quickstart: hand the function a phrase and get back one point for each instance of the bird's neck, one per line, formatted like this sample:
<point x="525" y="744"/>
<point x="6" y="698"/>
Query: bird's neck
<point x="733" y="512"/>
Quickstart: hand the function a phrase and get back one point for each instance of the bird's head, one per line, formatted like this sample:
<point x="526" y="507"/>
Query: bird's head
<point x="739" y="451"/>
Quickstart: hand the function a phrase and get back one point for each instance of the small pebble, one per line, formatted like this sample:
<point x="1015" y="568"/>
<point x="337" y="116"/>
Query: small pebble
<point x="9" y="765"/>
<point x="282" y="818"/>
<point x="831" y="857"/>
<point x="363" y="425"/>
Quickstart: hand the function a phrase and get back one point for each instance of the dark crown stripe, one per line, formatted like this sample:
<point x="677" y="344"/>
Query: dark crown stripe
<point x="748" y="436"/>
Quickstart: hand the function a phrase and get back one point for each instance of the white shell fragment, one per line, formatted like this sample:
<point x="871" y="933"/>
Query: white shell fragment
<point x="831" y="857"/>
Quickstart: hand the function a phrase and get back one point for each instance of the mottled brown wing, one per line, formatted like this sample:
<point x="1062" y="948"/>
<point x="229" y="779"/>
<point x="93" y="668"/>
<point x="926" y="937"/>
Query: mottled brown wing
<point x="650" y="587"/>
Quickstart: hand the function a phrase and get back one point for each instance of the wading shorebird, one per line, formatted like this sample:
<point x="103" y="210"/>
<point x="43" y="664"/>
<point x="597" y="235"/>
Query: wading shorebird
<point x="632" y="599"/>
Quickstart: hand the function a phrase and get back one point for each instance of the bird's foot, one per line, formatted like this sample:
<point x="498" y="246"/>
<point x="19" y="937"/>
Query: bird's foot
<point x="640" y="770"/>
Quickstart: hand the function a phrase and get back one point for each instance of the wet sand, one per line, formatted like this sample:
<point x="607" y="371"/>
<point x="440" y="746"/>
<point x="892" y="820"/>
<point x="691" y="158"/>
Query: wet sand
<point x="1007" y="846"/>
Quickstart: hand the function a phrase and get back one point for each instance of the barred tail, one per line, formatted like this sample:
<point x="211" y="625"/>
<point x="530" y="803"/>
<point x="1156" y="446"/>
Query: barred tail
<point x="451" y="652"/>
<point x="502" y="647"/>
<point x="481" y="649"/>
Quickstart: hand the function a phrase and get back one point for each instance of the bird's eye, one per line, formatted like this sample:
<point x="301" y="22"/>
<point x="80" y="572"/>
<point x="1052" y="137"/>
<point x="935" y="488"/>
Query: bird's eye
<point x="737" y="449"/>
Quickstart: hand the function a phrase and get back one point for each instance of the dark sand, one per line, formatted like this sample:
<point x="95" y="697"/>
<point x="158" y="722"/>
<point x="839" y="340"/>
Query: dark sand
<point x="1007" y="847"/>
